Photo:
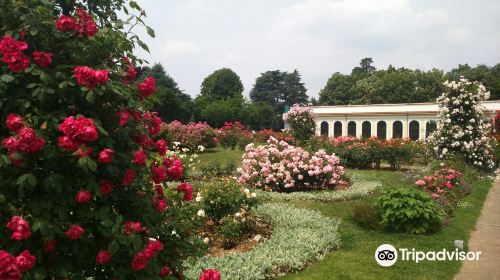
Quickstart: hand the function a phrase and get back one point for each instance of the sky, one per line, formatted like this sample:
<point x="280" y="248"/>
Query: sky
<point x="316" y="37"/>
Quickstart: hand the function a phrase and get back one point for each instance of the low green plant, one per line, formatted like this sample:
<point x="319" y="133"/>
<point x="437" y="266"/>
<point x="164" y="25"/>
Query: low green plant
<point x="231" y="228"/>
<point x="408" y="210"/>
<point x="222" y="198"/>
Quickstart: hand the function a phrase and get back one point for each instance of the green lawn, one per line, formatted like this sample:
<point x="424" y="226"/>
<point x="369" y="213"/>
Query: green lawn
<point x="355" y="257"/>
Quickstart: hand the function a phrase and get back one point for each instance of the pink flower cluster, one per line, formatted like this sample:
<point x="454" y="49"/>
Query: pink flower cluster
<point x="25" y="140"/>
<point x="190" y="135"/>
<point x="279" y="166"/>
<point x="441" y="182"/>
<point x="141" y="259"/>
<point x="20" y="228"/>
<point x="90" y="78"/>
<point x="12" y="268"/>
<point x="210" y="274"/>
<point x="83" y="24"/>
<point x="12" y="54"/>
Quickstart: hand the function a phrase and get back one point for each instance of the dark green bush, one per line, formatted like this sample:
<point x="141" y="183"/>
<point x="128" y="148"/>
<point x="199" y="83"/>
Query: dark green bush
<point x="408" y="210"/>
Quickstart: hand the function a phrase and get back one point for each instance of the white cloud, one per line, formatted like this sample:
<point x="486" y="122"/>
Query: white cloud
<point x="176" y="48"/>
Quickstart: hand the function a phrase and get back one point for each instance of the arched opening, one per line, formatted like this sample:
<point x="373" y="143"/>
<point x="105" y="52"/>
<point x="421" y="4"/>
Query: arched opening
<point x="414" y="130"/>
<point x="337" y="129"/>
<point x="430" y="127"/>
<point x="351" y="129"/>
<point x="366" y="129"/>
<point x="324" y="128"/>
<point x="397" y="129"/>
<point x="381" y="130"/>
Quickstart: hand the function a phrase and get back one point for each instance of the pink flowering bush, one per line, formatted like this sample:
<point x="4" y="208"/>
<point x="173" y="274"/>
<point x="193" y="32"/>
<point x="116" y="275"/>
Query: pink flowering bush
<point x="301" y="121"/>
<point x="83" y="168"/>
<point x="191" y="135"/>
<point x="444" y="185"/>
<point x="281" y="167"/>
<point x="234" y="134"/>
<point x="264" y="134"/>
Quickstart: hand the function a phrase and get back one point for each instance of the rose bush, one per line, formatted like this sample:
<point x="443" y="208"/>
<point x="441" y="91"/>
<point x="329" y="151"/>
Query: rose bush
<point x="279" y="166"/>
<point x="82" y="167"/>
<point x="191" y="135"/>
<point x="301" y="121"/>
<point x="234" y="134"/>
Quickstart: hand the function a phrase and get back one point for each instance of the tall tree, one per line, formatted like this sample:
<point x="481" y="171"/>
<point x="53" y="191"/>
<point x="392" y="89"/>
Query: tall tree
<point x="278" y="89"/>
<point x="338" y="90"/>
<point x="221" y="84"/>
<point x="365" y="68"/>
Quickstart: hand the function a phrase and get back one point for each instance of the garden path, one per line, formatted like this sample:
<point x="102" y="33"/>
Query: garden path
<point x="486" y="238"/>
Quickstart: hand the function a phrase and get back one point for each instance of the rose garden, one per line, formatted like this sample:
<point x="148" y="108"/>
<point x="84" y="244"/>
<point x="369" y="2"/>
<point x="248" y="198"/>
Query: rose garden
<point x="94" y="186"/>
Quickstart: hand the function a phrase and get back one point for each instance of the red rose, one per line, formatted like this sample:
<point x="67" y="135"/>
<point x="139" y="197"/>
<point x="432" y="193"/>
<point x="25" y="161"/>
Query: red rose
<point x="17" y="62"/>
<point x="6" y="259"/>
<point x="10" y="143"/>
<point x="210" y="274"/>
<point x="90" y="28"/>
<point x="43" y="59"/>
<point x="147" y="87"/>
<point x="105" y="187"/>
<point x="14" y="122"/>
<point x="74" y="232"/>
<point x="139" y="262"/>
<point x="50" y="246"/>
<point x="144" y="141"/>
<point x="139" y="157"/>
<point x="165" y="271"/>
<point x="124" y="116"/>
<point x="20" y="228"/>
<point x="8" y="267"/>
<point x="160" y="204"/>
<point x="102" y="257"/>
<point x="187" y="189"/>
<point x="106" y="156"/>
<point x="25" y="261"/>
<point x="16" y="159"/>
<point x="10" y="45"/>
<point x="67" y="144"/>
<point x="84" y="151"/>
<point x="175" y="172"/>
<point x="132" y="74"/>
<point x="153" y="248"/>
<point x="83" y="197"/>
<point x="85" y="76"/>
<point x="132" y="227"/>
<point x="155" y="127"/>
<point x="159" y="190"/>
<point x="159" y="174"/>
<point x="161" y="146"/>
<point x="129" y="177"/>
<point x="86" y="131"/>
<point x="101" y="76"/>
<point x="167" y="162"/>
<point x="65" y="23"/>
<point x="28" y="141"/>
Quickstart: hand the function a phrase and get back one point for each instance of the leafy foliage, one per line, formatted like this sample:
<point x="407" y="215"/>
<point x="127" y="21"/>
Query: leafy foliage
<point x="408" y="210"/>
<point x="221" y="84"/>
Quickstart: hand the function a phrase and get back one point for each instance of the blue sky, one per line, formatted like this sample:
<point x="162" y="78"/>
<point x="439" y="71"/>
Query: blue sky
<point x="317" y="37"/>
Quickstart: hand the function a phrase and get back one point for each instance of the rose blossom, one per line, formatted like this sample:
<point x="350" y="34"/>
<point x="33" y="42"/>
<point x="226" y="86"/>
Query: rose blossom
<point x="20" y="228"/>
<point x="139" y="157"/>
<point x="161" y="146"/>
<point x="147" y="87"/>
<point x="159" y="174"/>
<point x="74" y="232"/>
<point x="210" y="274"/>
<point x="129" y="177"/>
<point x="65" y="23"/>
<point x="25" y="261"/>
<point x="165" y="271"/>
<point x="83" y="197"/>
<point x="14" y="122"/>
<point x="103" y="257"/>
<point x="139" y="262"/>
<point x="124" y="116"/>
<point x="132" y="227"/>
<point x="9" y="45"/>
<point x="43" y="59"/>
<point x="17" y="62"/>
<point x="105" y="187"/>
<point x="106" y="156"/>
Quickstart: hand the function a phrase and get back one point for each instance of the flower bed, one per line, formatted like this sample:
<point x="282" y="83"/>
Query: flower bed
<point x="357" y="190"/>
<point x="279" y="166"/>
<point x="312" y="234"/>
<point x="191" y="135"/>
<point x="234" y="134"/>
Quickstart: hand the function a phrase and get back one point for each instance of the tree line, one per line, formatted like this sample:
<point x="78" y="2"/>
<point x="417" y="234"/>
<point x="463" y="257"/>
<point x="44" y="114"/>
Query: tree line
<point x="221" y="93"/>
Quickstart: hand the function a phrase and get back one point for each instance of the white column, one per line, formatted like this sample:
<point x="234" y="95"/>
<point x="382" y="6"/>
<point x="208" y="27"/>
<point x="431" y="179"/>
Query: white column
<point x="405" y="128"/>
<point x="358" y="129"/>
<point x="344" y="128"/>
<point x="374" y="127"/>
<point x="318" y="128"/>
<point x="330" y="128"/>
<point x="423" y="128"/>
<point x="389" y="130"/>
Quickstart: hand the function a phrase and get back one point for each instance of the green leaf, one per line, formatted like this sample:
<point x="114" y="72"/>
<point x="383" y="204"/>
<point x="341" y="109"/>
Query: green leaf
<point x="150" y="31"/>
<point x="63" y="84"/>
<point x="113" y="247"/>
<point x="90" y="96"/>
<point x="143" y="45"/>
<point x="45" y="78"/>
<point x="27" y="178"/>
<point x="134" y="5"/>
<point x="7" y="78"/>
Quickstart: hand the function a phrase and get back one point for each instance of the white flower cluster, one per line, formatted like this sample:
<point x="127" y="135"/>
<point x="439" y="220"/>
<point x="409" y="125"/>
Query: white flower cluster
<point x="464" y="125"/>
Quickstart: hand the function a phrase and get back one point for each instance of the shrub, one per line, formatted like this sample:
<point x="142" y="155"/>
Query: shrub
<point x="301" y="121"/>
<point x="464" y="126"/>
<point x="398" y="151"/>
<point x="408" y="210"/>
<point x="366" y="216"/>
<point x="279" y="166"/>
<point x="79" y="155"/>
<point x="263" y="135"/>
<point x="223" y="198"/>
<point x="234" y="134"/>
<point x="191" y="135"/>
<point x="232" y="227"/>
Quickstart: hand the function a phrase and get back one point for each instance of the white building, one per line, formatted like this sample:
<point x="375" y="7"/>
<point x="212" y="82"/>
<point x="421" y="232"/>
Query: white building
<point x="414" y="120"/>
